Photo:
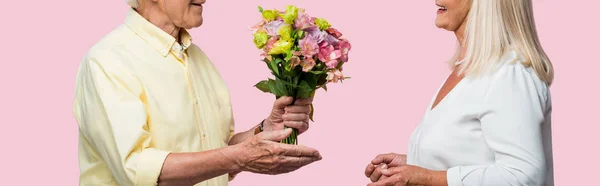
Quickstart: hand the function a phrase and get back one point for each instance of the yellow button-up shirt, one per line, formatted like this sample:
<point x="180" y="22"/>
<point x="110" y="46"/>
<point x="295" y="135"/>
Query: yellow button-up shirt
<point x="139" y="96"/>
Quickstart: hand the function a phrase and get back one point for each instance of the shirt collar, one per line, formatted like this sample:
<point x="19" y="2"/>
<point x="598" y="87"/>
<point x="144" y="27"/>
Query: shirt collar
<point x="159" y="39"/>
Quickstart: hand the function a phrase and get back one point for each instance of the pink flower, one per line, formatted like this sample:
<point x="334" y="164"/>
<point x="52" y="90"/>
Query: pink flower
<point x="344" y="46"/>
<point x="323" y="44"/>
<point x="308" y="64"/>
<point x="334" y="32"/>
<point x="267" y="56"/>
<point x="335" y="76"/>
<point x="308" y="47"/>
<point x="329" y="56"/>
<point x="304" y="21"/>
<point x="271" y="43"/>
<point x="294" y="61"/>
<point x="330" y="39"/>
<point x="315" y="34"/>
<point x="273" y="27"/>
<point x="258" y="25"/>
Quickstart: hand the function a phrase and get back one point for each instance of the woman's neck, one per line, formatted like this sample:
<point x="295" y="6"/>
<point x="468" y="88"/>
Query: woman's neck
<point x="460" y="37"/>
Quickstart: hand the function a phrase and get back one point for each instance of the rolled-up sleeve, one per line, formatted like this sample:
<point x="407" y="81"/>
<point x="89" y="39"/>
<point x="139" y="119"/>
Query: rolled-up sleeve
<point x="113" y="120"/>
<point x="511" y="123"/>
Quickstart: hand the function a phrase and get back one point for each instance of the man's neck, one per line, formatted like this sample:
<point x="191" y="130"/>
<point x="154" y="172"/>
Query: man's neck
<point x="158" y="18"/>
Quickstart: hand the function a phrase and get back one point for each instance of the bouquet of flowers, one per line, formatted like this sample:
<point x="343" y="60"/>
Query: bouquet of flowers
<point x="303" y="53"/>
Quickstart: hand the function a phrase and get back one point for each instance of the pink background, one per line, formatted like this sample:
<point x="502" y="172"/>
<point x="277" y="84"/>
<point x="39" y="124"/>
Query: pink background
<point x="397" y="63"/>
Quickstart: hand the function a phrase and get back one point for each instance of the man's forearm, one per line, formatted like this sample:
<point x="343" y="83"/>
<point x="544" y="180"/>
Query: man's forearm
<point x="242" y="136"/>
<point x="192" y="168"/>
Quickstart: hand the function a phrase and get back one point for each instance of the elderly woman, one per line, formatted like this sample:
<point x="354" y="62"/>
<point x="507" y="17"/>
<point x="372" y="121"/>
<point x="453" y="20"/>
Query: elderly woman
<point x="490" y="121"/>
<point x="153" y="110"/>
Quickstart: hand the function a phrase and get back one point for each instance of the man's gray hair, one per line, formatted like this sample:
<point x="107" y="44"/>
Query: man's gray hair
<point x="133" y="3"/>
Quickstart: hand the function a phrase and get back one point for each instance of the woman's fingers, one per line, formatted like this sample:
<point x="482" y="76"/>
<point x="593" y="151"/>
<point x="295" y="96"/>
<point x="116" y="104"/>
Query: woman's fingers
<point x="369" y="170"/>
<point x="378" y="172"/>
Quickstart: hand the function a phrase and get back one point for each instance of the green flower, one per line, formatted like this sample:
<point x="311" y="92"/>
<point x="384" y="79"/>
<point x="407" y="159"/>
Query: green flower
<point x="300" y="34"/>
<point x="281" y="47"/>
<point x="286" y="32"/>
<point x="290" y="15"/>
<point x="260" y="39"/>
<point x="322" y="23"/>
<point x="270" y="15"/>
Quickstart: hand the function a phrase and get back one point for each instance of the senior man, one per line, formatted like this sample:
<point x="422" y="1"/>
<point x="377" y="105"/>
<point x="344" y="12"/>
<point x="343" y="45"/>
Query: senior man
<point x="153" y="110"/>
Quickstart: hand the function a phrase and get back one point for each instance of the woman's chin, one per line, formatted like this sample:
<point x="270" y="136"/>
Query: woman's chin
<point x="439" y="25"/>
<point x="443" y="26"/>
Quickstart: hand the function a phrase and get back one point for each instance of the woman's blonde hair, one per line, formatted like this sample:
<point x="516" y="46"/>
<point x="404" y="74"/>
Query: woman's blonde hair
<point x="133" y="3"/>
<point x="492" y="27"/>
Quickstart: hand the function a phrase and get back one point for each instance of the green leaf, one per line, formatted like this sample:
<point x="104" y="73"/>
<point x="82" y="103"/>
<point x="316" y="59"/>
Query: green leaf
<point x="324" y="87"/>
<point x="288" y="84"/>
<point x="288" y="68"/>
<point x="263" y="86"/>
<point x="318" y="72"/>
<point x="275" y="66"/>
<point x="319" y="65"/>
<point x="294" y="80"/>
<point x="277" y="87"/>
<point x="339" y="65"/>
<point x="311" y="79"/>
<point x="260" y="9"/>
<point x="292" y="72"/>
<point x="268" y="63"/>
<point x="288" y="55"/>
<point x="312" y="112"/>
<point x="304" y="90"/>
<point x="322" y="79"/>
<point x="300" y="34"/>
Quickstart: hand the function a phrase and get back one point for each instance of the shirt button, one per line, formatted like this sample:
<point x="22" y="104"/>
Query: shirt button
<point x="204" y="135"/>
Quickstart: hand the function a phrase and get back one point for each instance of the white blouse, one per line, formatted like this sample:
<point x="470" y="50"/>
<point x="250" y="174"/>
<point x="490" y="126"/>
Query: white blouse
<point x="491" y="130"/>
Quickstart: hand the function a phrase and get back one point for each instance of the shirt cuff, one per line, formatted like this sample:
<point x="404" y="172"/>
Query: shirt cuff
<point x="233" y="175"/>
<point x="149" y="166"/>
<point x="453" y="176"/>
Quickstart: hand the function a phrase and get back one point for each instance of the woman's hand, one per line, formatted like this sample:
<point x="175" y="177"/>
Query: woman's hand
<point x="286" y="115"/>
<point x="264" y="154"/>
<point x="408" y="175"/>
<point x="381" y="162"/>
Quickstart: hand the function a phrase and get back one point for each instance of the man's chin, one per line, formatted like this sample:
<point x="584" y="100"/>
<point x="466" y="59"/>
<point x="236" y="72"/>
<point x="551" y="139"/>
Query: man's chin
<point x="194" y="25"/>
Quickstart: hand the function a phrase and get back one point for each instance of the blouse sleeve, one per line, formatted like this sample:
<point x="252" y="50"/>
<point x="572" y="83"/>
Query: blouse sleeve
<point x="511" y="122"/>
